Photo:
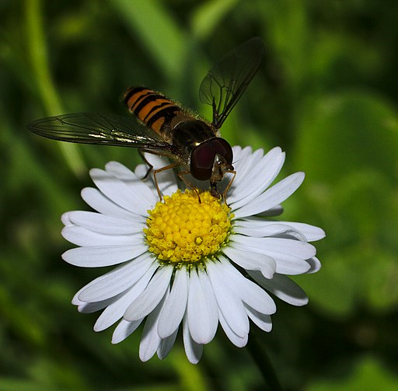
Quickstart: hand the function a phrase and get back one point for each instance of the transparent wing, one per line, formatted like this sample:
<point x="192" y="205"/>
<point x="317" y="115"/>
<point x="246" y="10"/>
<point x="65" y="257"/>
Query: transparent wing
<point x="94" y="128"/>
<point x="227" y="80"/>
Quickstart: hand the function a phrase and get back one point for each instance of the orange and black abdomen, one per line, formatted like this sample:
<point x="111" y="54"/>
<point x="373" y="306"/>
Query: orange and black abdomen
<point x="152" y="108"/>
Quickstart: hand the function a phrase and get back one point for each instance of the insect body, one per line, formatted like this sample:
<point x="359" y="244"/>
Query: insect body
<point x="164" y="127"/>
<point x="192" y="140"/>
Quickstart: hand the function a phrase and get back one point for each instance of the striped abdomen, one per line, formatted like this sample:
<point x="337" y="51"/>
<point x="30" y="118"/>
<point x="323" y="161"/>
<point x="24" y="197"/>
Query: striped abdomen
<point x="152" y="108"/>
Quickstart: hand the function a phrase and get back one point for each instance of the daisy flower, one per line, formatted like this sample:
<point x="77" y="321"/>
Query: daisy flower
<point x="190" y="262"/>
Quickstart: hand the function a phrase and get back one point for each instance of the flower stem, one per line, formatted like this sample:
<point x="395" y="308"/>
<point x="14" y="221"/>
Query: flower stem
<point x="264" y="364"/>
<point x="38" y="56"/>
<point x="190" y="376"/>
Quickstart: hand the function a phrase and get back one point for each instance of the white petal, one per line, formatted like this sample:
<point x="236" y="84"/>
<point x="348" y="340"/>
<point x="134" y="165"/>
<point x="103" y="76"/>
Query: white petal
<point x="271" y="197"/>
<point x="228" y="301"/>
<point x="150" y="340"/>
<point x="174" y="307"/>
<point x="141" y="191"/>
<point x="166" y="179"/>
<point x="263" y="321"/>
<point x="88" y="308"/>
<point x="240" y="155"/>
<point x="166" y="186"/>
<point x="104" y="205"/>
<point x="282" y="287"/>
<point x="272" y="246"/>
<point x="263" y="228"/>
<point x="243" y="163"/>
<point x="202" y="311"/>
<point x="237" y="341"/>
<point x="117" y="280"/>
<point x="119" y="192"/>
<point x="315" y="265"/>
<point x="289" y="265"/>
<point x="243" y="159"/>
<point x="124" y="329"/>
<point x="248" y="291"/>
<point x="289" y="255"/>
<point x="156" y="161"/>
<point x="272" y="212"/>
<point x="116" y="310"/>
<point x="141" y="171"/>
<point x="151" y="296"/>
<point x="258" y="179"/>
<point x="83" y="237"/>
<point x="251" y="261"/>
<point x="311" y="232"/>
<point x="109" y="225"/>
<point x="66" y="220"/>
<point x="193" y="350"/>
<point x="75" y="299"/>
<point x="97" y="256"/>
<point x="247" y="179"/>
<point x="166" y="345"/>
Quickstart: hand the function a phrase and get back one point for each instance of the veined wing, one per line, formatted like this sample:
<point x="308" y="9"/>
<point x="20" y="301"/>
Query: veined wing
<point x="94" y="128"/>
<point x="227" y="80"/>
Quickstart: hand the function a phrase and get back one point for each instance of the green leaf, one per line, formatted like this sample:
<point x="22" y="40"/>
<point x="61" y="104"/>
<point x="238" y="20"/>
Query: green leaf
<point x="158" y="31"/>
<point x="208" y="15"/>
<point x="41" y="71"/>
<point x="346" y="132"/>
<point x="335" y="287"/>
<point x="368" y="375"/>
<point x="357" y="254"/>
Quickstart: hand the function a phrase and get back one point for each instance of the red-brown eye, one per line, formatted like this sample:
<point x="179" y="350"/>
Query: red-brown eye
<point x="202" y="160"/>
<point x="222" y="148"/>
<point x="203" y="156"/>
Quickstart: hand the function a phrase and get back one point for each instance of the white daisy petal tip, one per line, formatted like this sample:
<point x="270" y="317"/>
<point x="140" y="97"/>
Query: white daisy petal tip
<point x="315" y="265"/>
<point x="200" y="274"/>
<point x="114" y="166"/>
<point x="320" y="234"/>
<point x="65" y="219"/>
<point x="94" y="172"/>
<point x="267" y="273"/>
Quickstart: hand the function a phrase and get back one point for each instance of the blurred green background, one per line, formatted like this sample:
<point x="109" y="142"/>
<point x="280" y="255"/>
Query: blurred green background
<point x="327" y="93"/>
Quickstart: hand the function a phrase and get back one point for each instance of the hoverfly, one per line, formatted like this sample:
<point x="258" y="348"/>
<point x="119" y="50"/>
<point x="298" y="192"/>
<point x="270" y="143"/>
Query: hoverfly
<point x="167" y="129"/>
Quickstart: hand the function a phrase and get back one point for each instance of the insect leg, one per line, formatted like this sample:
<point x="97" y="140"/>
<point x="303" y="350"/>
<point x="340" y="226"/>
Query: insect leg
<point x="141" y="153"/>
<point x="224" y="194"/>
<point x="188" y="184"/>
<point x="170" y="166"/>
<point x="215" y="192"/>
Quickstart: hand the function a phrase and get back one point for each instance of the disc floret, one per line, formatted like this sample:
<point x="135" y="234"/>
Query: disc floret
<point x="187" y="227"/>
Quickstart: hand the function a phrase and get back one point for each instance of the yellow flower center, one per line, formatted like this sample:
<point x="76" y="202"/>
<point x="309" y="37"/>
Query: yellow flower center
<point x="187" y="227"/>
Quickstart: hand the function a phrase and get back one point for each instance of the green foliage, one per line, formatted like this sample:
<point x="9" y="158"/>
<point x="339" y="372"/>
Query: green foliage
<point x="327" y="92"/>
<point x="346" y="144"/>
<point x="367" y="375"/>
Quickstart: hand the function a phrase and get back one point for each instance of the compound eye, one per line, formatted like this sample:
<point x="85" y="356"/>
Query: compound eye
<point x="223" y="149"/>
<point x="202" y="160"/>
